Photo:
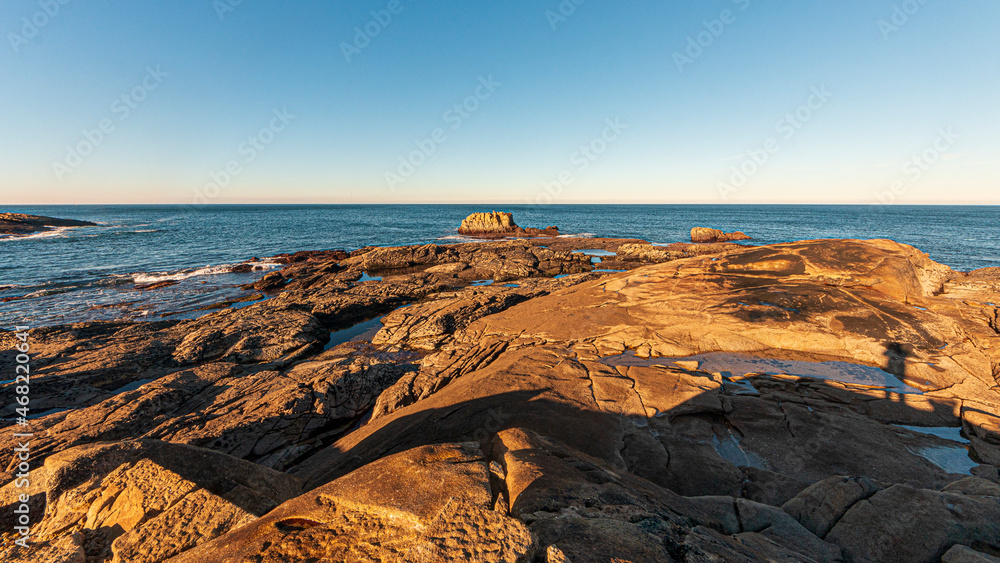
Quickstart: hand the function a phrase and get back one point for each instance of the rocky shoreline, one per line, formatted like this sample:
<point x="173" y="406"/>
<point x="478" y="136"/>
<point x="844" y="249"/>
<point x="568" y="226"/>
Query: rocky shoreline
<point x="18" y="224"/>
<point x="522" y="402"/>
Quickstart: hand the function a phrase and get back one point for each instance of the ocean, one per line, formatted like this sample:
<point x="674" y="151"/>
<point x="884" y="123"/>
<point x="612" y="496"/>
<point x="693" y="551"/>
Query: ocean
<point x="91" y="273"/>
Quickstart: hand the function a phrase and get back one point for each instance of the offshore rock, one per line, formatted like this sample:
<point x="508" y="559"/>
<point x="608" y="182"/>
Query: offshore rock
<point x="704" y="234"/>
<point x="500" y="225"/>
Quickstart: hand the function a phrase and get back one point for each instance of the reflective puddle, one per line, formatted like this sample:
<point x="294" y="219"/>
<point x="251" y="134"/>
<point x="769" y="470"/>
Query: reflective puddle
<point x="738" y="365"/>
<point x="360" y="331"/>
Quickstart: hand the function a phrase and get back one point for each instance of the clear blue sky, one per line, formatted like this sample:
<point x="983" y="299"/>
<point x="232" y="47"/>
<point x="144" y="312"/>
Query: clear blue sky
<point x="332" y="123"/>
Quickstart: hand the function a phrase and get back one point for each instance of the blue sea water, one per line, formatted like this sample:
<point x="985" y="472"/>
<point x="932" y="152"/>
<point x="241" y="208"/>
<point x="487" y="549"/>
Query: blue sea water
<point x="91" y="273"/>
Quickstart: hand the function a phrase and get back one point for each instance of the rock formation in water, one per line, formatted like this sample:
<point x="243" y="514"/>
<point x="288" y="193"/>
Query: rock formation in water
<point x="812" y="401"/>
<point x="500" y="225"/>
<point x="705" y="234"/>
<point x="19" y="224"/>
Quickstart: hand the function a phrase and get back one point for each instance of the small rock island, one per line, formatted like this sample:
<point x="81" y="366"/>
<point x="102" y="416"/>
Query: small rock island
<point x="497" y="225"/>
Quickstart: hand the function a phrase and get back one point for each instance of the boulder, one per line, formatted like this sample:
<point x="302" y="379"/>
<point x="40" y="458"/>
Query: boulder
<point x="903" y="523"/>
<point x="646" y="253"/>
<point x="704" y="234"/>
<point x="271" y="281"/>
<point x="497" y="224"/>
<point x="964" y="554"/>
<point x="143" y="501"/>
<point x="492" y="223"/>
<point x="821" y="505"/>
<point x="429" y="504"/>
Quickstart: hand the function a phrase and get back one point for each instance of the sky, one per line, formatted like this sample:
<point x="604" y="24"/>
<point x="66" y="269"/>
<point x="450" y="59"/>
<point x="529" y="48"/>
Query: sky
<point x="551" y="101"/>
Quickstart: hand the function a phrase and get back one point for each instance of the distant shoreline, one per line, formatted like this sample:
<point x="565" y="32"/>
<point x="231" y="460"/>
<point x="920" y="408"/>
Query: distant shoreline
<point x="18" y="224"/>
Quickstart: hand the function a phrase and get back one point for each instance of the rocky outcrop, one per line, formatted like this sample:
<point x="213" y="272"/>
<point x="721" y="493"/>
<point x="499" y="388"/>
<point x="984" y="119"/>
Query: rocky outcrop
<point x="704" y="234"/>
<point x="811" y="401"/>
<point x="500" y="225"/>
<point x="18" y="224"/>
<point x="142" y="501"/>
<point x="903" y="523"/>
<point x="488" y="223"/>
<point x="430" y="504"/>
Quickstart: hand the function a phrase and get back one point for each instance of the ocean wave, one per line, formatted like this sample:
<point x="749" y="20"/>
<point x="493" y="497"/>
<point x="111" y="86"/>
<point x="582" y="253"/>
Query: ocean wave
<point x="578" y="235"/>
<point x="56" y="232"/>
<point x="460" y="238"/>
<point x="51" y="291"/>
<point x="156" y="277"/>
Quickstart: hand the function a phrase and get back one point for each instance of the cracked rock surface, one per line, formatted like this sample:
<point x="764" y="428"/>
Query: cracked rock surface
<point x="809" y="401"/>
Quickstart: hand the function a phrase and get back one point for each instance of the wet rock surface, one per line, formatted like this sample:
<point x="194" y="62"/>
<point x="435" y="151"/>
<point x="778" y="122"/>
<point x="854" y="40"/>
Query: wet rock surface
<point x="810" y="401"/>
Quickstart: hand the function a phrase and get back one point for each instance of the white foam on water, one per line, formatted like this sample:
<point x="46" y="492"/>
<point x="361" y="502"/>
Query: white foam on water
<point x="56" y="232"/>
<point x="50" y="291"/>
<point x="460" y="238"/>
<point x="156" y="277"/>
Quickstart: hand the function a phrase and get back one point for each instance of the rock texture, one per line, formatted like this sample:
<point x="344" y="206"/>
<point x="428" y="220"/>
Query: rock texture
<point x="430" y="504"/>
<point x="142" y="501"/>
<point x="19" y="224"/>
<point x="832" y="400"/>
<point x="704" y="234"/>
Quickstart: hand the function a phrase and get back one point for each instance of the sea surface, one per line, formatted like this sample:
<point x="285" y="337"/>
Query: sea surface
<point x="92" y="273"/>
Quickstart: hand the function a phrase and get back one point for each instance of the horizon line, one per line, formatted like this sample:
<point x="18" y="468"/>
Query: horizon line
<point x="501" y="203"/>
